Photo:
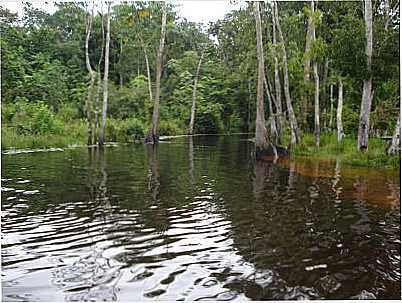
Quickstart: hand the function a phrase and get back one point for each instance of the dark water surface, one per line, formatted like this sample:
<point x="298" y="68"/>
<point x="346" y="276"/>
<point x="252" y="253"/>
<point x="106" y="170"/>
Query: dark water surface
<point x="197" y="219"/>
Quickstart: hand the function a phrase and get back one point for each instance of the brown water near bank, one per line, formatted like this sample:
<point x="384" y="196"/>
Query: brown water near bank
<point x="369" y="185"/>
<point x="195" y="219"/>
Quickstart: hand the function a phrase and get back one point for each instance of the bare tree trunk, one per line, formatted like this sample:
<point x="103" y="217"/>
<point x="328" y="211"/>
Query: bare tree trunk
<point x="98" y="83"/>
<point x="364" y="124"/>
<point x="307" y="64"/>
<point x="316" y="106"/>
<point x="120" y="56"/>
<point x="339" y="124"/>
<point x="148" y="69"/>
<point x="292" y="118"/>
<point x="105" y="80"/>
<point x="386" y="14"/>
<point x="88" y="101"/>
<point x="395" y="146"/>
<point x="278" y="93"/>
<point x="192" y="117"/>
<point x="261" y="134"/>
<point x="273" y="131"/>
<point x="331" y="99"/>
<point x="152" y="137"/>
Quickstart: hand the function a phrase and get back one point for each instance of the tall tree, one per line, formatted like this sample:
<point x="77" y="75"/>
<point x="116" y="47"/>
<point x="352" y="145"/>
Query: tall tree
<point x="105" y="80"/>
<point x="261" y="134"/>
<point x="152" y="137"/>
<point x="310" y="36"/>
<point x="316" y="85"/>
<point x="292" y="118"/>
<point x="339" y="124"/>
<point x="367" y="97"/>
<point x="192" y="116"/>
<point x="92" y="75"/>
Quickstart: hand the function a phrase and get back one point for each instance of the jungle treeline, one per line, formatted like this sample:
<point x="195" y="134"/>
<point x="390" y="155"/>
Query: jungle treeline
<point x="93" y="72"/>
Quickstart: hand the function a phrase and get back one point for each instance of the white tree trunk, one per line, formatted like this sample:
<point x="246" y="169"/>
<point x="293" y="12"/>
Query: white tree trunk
<point x="152" y="138"/>
<point x="88" y="101"/>
<point x="307" y="62"/>
<point x="105" y="80"/>
<point x="396" y="138"/>
<point x="192" y="116"/>
<point x="278" y="93"/>
<point x="292" y="118"/>
<point x="364" y="124"/>
<point x="339" y="124"/>
<point x="144" y="49"/>
<point x="261" y="134"/>
<point x="316" y="106"/>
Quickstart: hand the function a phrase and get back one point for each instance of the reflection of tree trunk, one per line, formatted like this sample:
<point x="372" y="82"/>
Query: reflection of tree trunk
<point x="154" y="183"/>
<point x="260" y="169"/>
<point x="191" y="160"/>
<point x="337" y="177"/>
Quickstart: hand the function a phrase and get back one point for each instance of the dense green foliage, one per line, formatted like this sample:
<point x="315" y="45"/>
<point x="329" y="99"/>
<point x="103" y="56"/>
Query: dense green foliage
<point x="44" y="84"/>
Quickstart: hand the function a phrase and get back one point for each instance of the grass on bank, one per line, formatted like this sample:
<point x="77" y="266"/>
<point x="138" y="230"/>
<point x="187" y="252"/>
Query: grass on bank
<point x="329" y="148"/>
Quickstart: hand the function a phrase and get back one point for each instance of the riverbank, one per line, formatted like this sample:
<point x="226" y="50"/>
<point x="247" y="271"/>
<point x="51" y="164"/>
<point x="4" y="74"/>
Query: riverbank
<point x="75" y="135"/>
<point x="347" y="151"/>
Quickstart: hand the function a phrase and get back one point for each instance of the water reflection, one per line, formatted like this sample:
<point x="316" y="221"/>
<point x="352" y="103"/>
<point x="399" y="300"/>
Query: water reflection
<point x="93" y="276"/>
<point x="196" y="220"/>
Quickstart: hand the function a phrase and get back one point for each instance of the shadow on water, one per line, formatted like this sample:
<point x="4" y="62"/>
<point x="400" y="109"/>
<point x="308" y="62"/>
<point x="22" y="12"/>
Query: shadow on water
<point x="196" y="219"/>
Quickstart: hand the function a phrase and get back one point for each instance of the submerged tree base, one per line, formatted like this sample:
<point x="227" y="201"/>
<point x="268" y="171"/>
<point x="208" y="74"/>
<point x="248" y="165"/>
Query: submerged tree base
<point x="271" y="152"/>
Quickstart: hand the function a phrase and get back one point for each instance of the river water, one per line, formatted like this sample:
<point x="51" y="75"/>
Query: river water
<point x="196" y="219"/>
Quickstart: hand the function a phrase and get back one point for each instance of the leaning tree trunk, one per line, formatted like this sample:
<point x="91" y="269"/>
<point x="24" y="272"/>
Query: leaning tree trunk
<point x="88" y="101"/>
<point x="192" y="117"/>
<point x="273" y="130"/>
<point x="396" y="138"/>
<point x="152" y="137"/>
<point x="292" y="118"/>
<point x="367" y="97"/>
<point x="148" y="69"/>
<point x="278" y="95"/>
<point x="261" y="134"/>
<point x="105" y="80"/>
<point x="307" y="64"/>
<point x="339" y="124"/>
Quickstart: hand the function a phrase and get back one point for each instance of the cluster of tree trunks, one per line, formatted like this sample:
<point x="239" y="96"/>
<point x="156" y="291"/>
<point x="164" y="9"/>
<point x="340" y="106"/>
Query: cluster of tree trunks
<point x="95" y="131"/>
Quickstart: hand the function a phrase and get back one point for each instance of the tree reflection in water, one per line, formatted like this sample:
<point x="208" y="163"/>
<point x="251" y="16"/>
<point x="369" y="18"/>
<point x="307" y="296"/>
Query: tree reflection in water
<point x="93" y="276"/>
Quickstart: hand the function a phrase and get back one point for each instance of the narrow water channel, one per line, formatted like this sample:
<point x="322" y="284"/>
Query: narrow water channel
<point x="196" y="219"/>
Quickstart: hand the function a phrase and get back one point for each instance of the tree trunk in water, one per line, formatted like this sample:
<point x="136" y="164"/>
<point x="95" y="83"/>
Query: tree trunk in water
<point x="316" y="105"/>
<point x="88" y="101"/>
<point x="192" y="118"/>
<point x="339" y="125"/>
<point x="396" y="138"/>
<point x="331" y="99"/>
<point x="278" y="93"/>
<point x="261" y="134"/>
<point x="105" y="80"/>
<point x="307" y="64"/>
<point x="292" y="118"/>
<point x="152" y="137"/>
<point x="364" y="124"/>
